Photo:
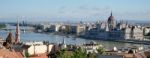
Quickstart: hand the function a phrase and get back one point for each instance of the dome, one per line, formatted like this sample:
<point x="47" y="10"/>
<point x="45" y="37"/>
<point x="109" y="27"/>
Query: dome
<point x="111" y="18"/>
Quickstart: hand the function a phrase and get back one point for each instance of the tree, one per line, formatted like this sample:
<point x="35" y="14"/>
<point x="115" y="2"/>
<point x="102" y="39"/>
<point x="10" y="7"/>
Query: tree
<point x="101" y="50"/>
<point x="79" y="53"/>
<point x="62" y="54"/>
<point x="2" y="26"/>
<point x="92" y="55"/>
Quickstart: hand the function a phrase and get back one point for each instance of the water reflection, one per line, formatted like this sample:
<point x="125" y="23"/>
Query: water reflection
<point x="31" y="36"/>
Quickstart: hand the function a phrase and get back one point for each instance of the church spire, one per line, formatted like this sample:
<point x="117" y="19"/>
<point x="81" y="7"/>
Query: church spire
<point x="10" y="38"/>
<point x="111" y="13"/>
<point x="63" y="41"/>
<point x="17" y="40"/>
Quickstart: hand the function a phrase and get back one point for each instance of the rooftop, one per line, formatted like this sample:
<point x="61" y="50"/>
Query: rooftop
<point x="5" y="53"/>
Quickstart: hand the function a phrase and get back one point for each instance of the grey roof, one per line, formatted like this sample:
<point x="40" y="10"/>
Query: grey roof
<point x="110" y="56"/>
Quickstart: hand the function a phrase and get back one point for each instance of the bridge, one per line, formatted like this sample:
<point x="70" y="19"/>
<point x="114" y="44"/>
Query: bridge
<point x="22" y="28"/>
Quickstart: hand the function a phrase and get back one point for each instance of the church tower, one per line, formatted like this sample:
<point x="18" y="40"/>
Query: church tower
<point x="17" y="39"/>
<point x="10" y="38"/>
<point x="111" y="22"/>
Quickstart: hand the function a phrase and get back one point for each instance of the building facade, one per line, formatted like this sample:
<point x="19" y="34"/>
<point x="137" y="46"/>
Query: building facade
<point x="112" y="30"/>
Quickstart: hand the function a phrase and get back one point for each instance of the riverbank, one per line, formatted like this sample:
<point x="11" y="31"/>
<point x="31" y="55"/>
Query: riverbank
<point x="145" y="42"/>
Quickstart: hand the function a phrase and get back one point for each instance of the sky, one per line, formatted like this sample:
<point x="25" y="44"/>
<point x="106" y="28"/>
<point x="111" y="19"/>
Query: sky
<point x="73" y="10"/>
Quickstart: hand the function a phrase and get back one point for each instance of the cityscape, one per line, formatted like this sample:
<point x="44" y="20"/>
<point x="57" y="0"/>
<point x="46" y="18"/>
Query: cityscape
<point x="75" y="29"/>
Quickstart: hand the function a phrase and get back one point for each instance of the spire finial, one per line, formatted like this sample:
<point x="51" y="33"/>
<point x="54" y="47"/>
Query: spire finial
<point x="63" y="41"/>
<point x="111" y="13"/>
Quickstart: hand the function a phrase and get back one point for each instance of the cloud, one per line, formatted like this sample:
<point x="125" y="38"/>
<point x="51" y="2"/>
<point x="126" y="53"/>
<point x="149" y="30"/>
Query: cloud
<point x="83" y="11"/>
<point x="138" y="15"/>
<point x="86" y="12"/>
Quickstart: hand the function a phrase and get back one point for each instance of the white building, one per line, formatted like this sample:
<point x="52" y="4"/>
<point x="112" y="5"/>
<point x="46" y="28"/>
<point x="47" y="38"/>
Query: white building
<point x="137" y="33"/>
<point x="127" y="32"/>
<point x="112" y="30"/>
<point x="44" y="26"/>
<point x="57" y="27"/>
<point x="91" y="47"/>
<point x="81" y="28"/>
<point x="63" y="45"/>
<point x="146" y="31"/>
<point x="36" y="48"/>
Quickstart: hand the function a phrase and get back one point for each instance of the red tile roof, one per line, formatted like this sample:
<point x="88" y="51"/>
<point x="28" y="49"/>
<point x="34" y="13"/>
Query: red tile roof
<point x="44" y="55"/>
<point x="5" y="53"/>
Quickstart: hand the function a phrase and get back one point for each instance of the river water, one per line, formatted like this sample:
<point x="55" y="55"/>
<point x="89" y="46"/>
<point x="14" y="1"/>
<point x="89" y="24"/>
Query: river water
<point x="32" y="36"/>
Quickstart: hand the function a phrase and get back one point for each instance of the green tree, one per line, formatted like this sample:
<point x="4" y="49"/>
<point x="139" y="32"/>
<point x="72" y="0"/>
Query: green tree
<point x="61" y="54"/>
<point x="101" y="50"/>
<point x="2" y="26"/>
<point x="92" y="55"/>
<point x="64" y="54"/>
<point x="79" y="53"/>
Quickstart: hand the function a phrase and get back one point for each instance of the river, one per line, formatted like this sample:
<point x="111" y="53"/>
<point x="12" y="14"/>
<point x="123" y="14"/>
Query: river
<point x="32" y="36"/>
